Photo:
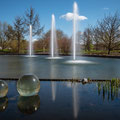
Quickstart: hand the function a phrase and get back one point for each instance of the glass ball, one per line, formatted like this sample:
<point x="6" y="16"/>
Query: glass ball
<point x="28" y="105"/>
<point x="28" y="85"/>
<point x="3" y="104"/>
<point x="3" y="88"/>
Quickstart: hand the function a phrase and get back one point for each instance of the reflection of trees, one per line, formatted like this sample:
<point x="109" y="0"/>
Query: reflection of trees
<point x="109" y="89"/>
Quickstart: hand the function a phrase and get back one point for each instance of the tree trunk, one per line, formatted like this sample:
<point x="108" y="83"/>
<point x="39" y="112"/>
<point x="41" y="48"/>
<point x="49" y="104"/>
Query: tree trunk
<point x="109" y="51"/>
<point x="18" y="45"/>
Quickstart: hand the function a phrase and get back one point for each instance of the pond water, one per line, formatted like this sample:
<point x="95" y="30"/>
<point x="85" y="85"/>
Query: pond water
<point x="16" y="66"/>
<point x="63" y="101"/>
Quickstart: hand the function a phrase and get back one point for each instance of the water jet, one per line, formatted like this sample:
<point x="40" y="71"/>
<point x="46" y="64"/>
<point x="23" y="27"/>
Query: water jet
<point x="53" y="41"/>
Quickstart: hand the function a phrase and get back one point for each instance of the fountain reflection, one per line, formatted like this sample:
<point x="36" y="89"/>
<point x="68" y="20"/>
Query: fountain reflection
<point x="3" y="104"/>
<point x="53" y="84"/>
<point x="53" y="73"/>
<point x="28" y="105"/>
<point x="75" y="95"/>
<point x="75" y="101"/>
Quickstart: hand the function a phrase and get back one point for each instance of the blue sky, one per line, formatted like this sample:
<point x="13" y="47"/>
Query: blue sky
<point x="92" y="9"/>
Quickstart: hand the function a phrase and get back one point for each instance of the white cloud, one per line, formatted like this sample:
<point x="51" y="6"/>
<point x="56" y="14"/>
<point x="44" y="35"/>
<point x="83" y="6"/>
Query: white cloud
<point x="34" y="40"/>
<point x="106" y="8"/>
<point x="82" y="18"/>
<point x="69" y="16"/>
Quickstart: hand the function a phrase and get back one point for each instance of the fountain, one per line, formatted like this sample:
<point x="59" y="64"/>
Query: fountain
<point x="75" y="21"/>
<point x="74" y="37"/>
<point x="75" y="17"/>
<point x="30" y="44"/>
<point x="53" y="44"/>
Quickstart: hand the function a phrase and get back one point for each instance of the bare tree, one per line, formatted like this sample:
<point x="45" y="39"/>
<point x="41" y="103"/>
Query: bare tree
<point x="108" y="31"/>
<point x="31" y="18"/>
<point x="96" y="40"/>
<point x="6" y="35"/>
<point x="19" y="31"/>
<point x="45" y="42"/>
<point x="87" y="38"/>
<point x="64" y="42"/>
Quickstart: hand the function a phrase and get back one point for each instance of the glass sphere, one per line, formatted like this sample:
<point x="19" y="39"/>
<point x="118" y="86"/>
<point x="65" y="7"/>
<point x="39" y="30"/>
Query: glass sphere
<point x="3" y="103"/>
<point x="3" y="88"/>
<point x="28" y="85"/>
<point x="28" y="105"/>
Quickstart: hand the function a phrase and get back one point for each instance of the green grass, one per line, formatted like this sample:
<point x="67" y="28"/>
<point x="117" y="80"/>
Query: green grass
<point x="101" y="52"/>
<point x="83" y="52"/>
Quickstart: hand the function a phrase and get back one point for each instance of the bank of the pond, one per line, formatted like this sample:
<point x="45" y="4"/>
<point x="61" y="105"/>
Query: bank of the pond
<point x="62" y="80"/>
<point x="84" y="55"/>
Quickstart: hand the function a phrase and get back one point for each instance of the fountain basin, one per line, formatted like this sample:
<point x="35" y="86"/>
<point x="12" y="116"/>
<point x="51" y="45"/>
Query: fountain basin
<point x="79" y="62"/>
<point x="31" y="56"/>
<point x="52" y="58"/>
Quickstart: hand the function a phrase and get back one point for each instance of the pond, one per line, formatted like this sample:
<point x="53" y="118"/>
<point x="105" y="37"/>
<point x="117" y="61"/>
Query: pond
<point x="16" y="66"/>
<point x="63" y="101"/>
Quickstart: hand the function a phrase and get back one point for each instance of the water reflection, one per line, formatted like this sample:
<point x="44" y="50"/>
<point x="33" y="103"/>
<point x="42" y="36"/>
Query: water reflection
<point x="75" y="101"/>
<point x="80" y="101"/>
<point x="109" y="90"/>
<point x="69" y="84"/>
<point x="28" y="105"/>
<point x="75" y="95"/>
<point x="3" y="104"/>
<point x="53" y="84"/>
<point x="53" y="73"/>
